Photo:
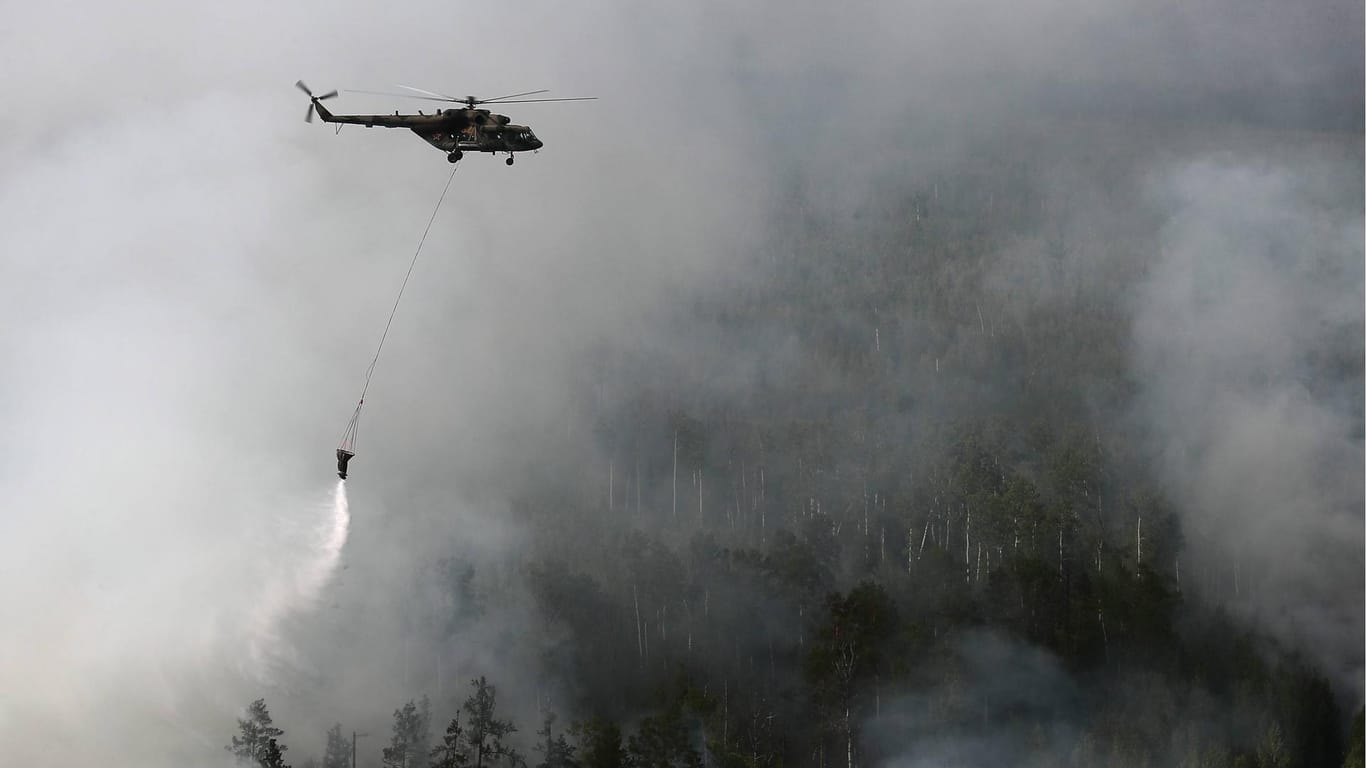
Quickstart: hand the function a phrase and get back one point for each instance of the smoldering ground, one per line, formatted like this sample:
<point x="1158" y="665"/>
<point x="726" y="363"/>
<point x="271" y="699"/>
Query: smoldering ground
<point x="194" y="280"/>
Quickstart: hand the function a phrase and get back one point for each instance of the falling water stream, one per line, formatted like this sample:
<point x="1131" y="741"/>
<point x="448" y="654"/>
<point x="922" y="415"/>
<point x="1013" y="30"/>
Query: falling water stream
<point x="297" y="586"/>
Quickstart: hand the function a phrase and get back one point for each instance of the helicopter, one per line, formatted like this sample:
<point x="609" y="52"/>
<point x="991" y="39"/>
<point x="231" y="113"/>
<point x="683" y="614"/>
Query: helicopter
<point x="453" y="131"/>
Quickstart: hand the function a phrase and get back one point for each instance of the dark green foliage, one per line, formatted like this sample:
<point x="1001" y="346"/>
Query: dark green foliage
<point x="1356" y="750"/>
<point x="801" y="564"/>
<point x="850" y="643"/>
<point x="598" y="742"/>
<point x="257" y="743"/>
<point x="848" y="651"/>
<point x="596" y="653"/>
<point x="273" y="756"/>
<point x="484" y="732"/>
<point x="408" y="743"/>
<point x="480" y="740"/>
<point x="1271" y="751"/>
<point x="664" y="741"/>
<point x="556" y="751"/>
<point x="453" y="751"/>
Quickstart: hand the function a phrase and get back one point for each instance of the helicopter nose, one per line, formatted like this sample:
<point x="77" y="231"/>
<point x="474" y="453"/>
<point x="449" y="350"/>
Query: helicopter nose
<point x="536" y="143"/>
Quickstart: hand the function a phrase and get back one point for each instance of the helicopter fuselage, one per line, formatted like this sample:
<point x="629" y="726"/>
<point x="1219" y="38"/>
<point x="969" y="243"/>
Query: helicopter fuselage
<point x="453" y="131"/>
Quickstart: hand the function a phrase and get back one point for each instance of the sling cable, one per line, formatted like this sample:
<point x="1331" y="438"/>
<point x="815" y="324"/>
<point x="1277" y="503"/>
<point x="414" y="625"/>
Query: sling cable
<point x="346" y="450"/>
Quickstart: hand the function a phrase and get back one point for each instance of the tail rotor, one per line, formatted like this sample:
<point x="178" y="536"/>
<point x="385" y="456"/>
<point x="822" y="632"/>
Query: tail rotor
<point x="313" y="100"/>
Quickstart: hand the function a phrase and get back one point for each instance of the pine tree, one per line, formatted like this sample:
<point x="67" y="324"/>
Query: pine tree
<point x="556" y="752"/>
<point x="1355" y="751"/>
<point x="663" y="741"/>
<point x="257" y="743"/>
<point x="338" y="754"/>
<point x="849" y="649"/>
<point x="273" y="757"/>
<point x="1271" y="751"/>
<point x="485" y="732"/>
<point x="453" y="751"/>
<point x="599" y="744"/>
<point x="408" y="745"/>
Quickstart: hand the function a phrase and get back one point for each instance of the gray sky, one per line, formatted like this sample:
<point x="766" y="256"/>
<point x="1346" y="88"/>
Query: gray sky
<point x="192" y="281"/>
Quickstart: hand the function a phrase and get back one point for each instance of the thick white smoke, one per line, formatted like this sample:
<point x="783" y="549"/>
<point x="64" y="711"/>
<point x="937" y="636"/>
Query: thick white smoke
<point x="1243" y="342"/>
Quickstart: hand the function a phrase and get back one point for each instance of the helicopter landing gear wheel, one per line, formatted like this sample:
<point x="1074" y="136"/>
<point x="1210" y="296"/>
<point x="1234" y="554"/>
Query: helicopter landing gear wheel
<point x="454" y="157"/>
<point x="509" y="160"/>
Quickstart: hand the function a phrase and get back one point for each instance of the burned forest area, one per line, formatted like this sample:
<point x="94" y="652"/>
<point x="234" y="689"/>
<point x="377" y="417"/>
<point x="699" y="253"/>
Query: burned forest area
<point x="898" y="489"/>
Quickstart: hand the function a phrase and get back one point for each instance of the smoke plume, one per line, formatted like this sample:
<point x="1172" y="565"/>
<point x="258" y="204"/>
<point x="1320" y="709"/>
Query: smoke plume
<point x="1246" y="341"/>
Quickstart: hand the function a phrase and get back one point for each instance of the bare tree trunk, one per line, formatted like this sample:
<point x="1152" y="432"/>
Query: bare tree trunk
<point x="867" y="545"/>
<point x="1139" y="559"/>
<point x="1104" y="638"/>
<point x="848" y="737"/>
<point x="1237" y="584"/>
<point x="699" y="497"/>
<point x="736" y="519"/>
<point x="725" y="717"/>
<point x="687" y="618"/>
<point x="967" y="546"/>
<point x="640" y="642"/>
<point x="675" y="483"/>
<point x="745" y="491"/>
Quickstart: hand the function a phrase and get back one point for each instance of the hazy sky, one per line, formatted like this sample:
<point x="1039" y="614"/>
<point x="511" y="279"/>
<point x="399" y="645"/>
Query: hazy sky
<point x="192" y="281"/>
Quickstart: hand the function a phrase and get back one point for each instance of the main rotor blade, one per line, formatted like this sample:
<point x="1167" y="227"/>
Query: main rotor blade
<point x="430" y="93"/>
<point x="533" y="101"/>
<point x="404" y="95"/>
<point x="300" y="85"/>
<point x="513" y="95"/>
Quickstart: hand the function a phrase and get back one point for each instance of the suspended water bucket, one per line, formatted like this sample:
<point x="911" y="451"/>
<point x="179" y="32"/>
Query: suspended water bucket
<point x="347" y="450"/>
<point x="343" y="457"/>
